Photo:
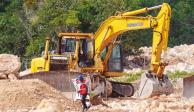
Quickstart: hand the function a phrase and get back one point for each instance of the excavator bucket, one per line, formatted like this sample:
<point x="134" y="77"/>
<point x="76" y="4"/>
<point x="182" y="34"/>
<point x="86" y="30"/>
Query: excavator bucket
<point x="150" y="86"/>
<point x="188" y="86"/>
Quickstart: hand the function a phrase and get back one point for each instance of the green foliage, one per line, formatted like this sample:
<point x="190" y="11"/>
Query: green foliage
<point x="30" y="3"/>
<point x="179" y="74"/>
<point x="52" y="17"/>
<point x="12" y="34"/>
<point x="93" y="12"/>
<point x="35" y="48"/>
<point x="127" y="78"/>
<point x="130" y="77"/>
<point x="25" y="23"/>
<point x="57" y="16"/>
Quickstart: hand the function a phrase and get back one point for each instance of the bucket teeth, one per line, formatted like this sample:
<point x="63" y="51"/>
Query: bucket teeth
<point x="151" y="85"/>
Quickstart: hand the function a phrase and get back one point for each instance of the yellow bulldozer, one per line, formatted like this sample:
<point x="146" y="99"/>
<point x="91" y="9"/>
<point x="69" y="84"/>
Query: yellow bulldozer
<point x="99" y="56"/>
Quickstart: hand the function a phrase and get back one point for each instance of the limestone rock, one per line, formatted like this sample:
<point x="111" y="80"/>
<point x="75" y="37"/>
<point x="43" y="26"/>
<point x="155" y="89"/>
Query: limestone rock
<point x="49" y="105"/>
<point x="9" y="64"/>
<point x="179" y="58"/>
<point x="12" y="77"/>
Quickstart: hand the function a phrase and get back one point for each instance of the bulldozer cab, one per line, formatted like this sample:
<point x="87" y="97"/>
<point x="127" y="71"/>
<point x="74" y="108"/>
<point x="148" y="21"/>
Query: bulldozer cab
<point x="86" y="52"/>
<point x="78" y="46"/>
<point x="68" y="45"/>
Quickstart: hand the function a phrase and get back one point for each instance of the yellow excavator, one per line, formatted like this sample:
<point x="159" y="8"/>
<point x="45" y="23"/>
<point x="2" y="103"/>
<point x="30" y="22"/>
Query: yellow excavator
<point x="99" y="56"/>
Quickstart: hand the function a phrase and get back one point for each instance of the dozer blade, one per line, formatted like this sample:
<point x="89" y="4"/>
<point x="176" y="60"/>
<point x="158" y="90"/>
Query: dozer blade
<point x="150" y="86"/>
<point x="60" y="80"/>
<point x="188" y="86"/>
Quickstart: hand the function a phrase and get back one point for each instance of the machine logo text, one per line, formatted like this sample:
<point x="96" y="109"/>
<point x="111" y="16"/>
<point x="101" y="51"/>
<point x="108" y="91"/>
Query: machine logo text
<point x="134" y="24"/>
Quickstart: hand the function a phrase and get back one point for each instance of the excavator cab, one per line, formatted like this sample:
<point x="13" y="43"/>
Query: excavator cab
<point x="115" y="60"/>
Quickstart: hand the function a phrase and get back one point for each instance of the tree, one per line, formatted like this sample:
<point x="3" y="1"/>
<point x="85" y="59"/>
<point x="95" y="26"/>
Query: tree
<point x="12" y="34"/>
<point x="24" y="24"/>
<point x="51" y="17"/>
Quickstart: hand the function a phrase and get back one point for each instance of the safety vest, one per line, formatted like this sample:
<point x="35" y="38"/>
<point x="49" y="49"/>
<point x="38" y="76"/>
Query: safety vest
<point x="83" y="89"/>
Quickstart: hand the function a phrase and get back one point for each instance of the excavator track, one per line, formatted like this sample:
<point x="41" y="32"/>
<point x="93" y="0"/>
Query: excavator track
<point x="122" y="89"/>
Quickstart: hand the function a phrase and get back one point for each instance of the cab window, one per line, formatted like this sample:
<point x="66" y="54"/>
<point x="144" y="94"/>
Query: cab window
<point x="68" y="45"/>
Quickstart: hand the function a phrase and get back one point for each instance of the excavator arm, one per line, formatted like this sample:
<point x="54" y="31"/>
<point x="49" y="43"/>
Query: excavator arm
<point x="117" y="25"/>
<point x="114" y="26"/>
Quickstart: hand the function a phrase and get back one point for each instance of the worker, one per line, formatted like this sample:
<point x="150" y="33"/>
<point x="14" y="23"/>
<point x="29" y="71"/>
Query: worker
<point x="83" y="91"/>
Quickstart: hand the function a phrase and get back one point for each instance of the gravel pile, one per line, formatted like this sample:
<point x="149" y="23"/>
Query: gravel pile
<point x="179" y="58"/>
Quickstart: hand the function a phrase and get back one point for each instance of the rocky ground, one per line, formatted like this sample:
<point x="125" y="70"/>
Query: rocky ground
<point x="179" y="58"/>
<point x="163" y="103"/>
<point x="172" y="103"/>
<point x="36" y="96"/>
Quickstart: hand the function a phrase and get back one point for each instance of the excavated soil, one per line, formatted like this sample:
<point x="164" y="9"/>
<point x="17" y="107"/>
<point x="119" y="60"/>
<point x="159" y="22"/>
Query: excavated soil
<point x="25" y="95"/>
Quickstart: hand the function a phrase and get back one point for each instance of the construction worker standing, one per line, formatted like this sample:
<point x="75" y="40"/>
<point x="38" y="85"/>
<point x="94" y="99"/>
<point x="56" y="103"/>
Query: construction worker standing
<point x="83" y="91"/>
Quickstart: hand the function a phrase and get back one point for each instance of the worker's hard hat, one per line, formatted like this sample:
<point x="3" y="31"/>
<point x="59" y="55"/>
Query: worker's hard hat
<point x="80" y="77"/>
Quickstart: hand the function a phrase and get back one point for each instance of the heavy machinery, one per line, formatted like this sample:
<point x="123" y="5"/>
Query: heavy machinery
<point x="100" y="55"/>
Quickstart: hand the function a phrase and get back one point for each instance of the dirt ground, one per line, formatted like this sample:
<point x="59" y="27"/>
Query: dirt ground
<point x="27" y="96"/>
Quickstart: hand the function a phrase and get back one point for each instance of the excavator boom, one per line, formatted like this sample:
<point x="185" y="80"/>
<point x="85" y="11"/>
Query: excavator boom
<point x="116" y="25"/>
<point x="154" y="82"/>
